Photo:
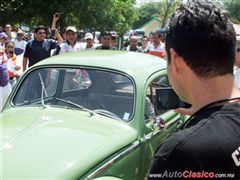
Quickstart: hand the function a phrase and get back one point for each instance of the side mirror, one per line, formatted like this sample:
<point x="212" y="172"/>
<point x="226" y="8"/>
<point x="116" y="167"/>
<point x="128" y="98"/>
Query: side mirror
<point x="168" y="99"/>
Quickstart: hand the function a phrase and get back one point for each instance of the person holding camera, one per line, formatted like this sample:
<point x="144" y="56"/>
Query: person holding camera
<point x="71" y="44"/>
<point x="201" y="51"/>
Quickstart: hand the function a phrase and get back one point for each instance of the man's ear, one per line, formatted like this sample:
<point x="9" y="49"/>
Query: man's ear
<point x="176" y="61"/>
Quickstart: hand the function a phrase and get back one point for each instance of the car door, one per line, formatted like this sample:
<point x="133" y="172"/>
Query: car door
<point x="158" y="123"/>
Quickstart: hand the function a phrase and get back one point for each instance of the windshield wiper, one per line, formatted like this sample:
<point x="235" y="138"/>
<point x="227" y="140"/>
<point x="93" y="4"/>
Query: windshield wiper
<point x="43" y="91"/>
<point x="76" y="105"/>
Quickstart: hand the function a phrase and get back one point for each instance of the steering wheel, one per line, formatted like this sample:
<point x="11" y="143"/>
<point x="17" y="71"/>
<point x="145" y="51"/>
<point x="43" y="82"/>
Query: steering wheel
<point x="104" y="111"/>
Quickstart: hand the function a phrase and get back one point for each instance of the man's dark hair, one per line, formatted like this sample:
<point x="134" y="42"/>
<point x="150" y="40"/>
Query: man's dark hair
<point x="106" y="33"/>
<point x="204" y="37"/>
<point x="157" y="34"/>
<point x="39" y="27"/>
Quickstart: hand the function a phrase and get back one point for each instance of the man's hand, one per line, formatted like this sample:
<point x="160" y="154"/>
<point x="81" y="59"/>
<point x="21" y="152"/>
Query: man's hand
<point x="17" y="67"/>
<point x="56" y="16"/>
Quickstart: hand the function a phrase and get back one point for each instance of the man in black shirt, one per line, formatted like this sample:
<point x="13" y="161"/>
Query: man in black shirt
<point x="200" y="46"/>
<point x="106" y="42"/>
<point x="40" y="48"/>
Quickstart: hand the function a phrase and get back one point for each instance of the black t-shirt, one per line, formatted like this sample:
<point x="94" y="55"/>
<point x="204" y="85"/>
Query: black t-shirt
<point x="106" y="47"/>
<point x="38" y="50"/>
<point x="210" y="143"/>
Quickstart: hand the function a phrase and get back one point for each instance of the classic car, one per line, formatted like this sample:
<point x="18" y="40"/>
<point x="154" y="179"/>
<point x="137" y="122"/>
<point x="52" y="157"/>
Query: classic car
<point x="86" y="115"/>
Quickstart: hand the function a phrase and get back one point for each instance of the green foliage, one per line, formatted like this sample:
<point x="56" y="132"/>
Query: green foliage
<point x="233" y="8"/>
<point x="167" y="9"/>
<point x="100" y="15"/>
<point x="162" y="10"/>
<point x="146" y="13"/>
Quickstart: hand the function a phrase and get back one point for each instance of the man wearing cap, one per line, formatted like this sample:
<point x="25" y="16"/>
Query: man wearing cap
<point x="89" y="42"/>
<point x="71" y="43"/>
<point x="19" y="43"/>
<point x="237" y="63"/>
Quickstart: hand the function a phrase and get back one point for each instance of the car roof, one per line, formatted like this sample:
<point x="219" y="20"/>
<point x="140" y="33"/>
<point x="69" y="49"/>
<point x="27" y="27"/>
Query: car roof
<point x="132" y="63"/>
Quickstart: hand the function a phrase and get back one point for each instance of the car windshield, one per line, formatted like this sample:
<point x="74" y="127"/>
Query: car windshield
<point x="104" y="92"/>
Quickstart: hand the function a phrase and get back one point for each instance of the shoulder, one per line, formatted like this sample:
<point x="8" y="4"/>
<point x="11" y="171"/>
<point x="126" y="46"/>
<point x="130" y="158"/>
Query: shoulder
<point x="99" y="47"/>
<point x="64" y="44"/>
<point x="30" y="43"/>
<point x="112" y="48"/>
<point x="50" y="41"/>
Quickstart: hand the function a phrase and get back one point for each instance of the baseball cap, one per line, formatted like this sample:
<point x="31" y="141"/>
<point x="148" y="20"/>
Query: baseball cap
<point x="20" y="32"/>
<point x="238" y="42"/>
<point x="71" y="28"/>
<point x="88" y="36"/>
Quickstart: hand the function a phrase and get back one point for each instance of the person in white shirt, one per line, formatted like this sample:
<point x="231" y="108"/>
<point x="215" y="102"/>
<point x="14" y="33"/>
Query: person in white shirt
<point x="89" y="42"/>
<point x="237" y="63"/>
<point x="157" y="47"/>
<point x="19" y="43"/>
<point x="71" y="43"/>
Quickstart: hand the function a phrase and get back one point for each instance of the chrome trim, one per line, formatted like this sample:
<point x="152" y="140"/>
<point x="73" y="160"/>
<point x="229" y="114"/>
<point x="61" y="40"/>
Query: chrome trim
<point x="135" y="145"/>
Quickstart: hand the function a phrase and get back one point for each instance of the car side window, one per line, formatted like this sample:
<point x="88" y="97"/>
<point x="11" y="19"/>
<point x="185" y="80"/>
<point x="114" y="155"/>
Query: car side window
<point x="151" y="109"/>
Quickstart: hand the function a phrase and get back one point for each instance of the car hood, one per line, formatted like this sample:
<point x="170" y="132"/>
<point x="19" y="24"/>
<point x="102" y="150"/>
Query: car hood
<point x="58" y="143"/>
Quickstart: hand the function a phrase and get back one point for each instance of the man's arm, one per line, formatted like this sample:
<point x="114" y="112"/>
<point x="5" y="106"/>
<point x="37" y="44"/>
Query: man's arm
<point x="24" y="63"/>
<point x="26" y="55"/>
<point x="25" y="59"/>
<point x="53" y="27"/>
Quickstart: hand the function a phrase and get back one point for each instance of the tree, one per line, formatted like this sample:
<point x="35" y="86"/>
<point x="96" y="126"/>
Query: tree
<point x="100" y="15"/>
<point x="233" y="8"/>
<point x="162" y="10"/>
<point x="167" y="9"/>
<point x="146" y="13"/>
<point x="103" y="15"/>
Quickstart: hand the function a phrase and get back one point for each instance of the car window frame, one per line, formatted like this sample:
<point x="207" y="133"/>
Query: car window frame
<point x="161" y="72"/>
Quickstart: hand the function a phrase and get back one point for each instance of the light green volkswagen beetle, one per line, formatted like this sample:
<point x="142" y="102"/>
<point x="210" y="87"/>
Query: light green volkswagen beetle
<point x="86" y="115"/>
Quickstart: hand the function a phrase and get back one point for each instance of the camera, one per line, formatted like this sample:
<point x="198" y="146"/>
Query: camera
<point x="168" y="99"/>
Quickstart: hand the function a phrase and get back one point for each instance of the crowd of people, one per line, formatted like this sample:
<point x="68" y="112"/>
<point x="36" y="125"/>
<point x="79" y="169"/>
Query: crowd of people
<point x="20" y="50"/>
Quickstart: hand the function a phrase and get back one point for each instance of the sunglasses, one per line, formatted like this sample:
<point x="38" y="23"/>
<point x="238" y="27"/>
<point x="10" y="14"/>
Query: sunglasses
<point x="41" y="32"/>
<point x="9" y="46"/>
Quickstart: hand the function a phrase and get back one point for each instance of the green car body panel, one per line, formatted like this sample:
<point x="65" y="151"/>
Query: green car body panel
<point x="62" y="143"/>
